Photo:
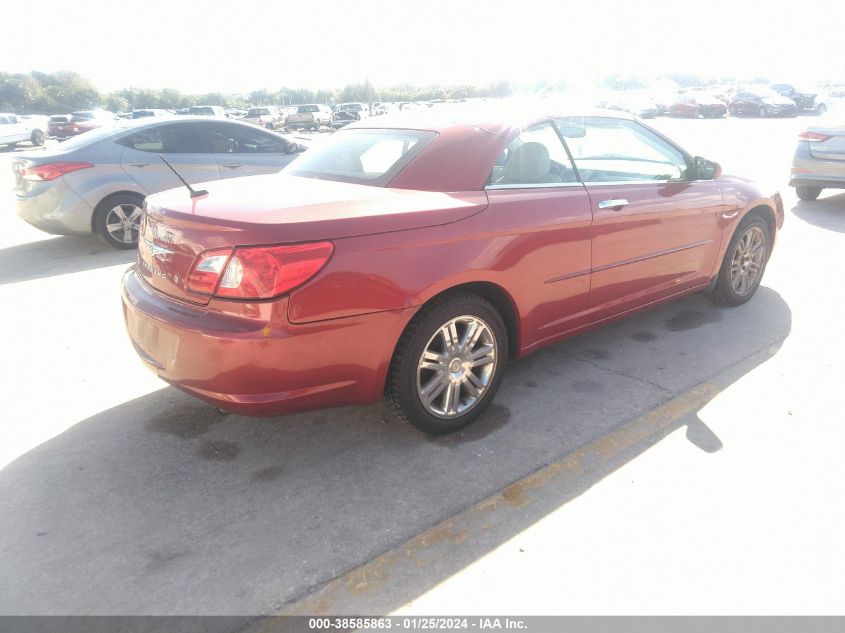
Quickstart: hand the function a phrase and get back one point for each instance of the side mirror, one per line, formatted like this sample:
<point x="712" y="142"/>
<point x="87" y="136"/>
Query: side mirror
<point x="706" y="169"/>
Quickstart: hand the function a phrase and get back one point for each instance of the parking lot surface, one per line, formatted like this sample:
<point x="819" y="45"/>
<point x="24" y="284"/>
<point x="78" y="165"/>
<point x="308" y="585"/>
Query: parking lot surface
<point x="685" y="460"/>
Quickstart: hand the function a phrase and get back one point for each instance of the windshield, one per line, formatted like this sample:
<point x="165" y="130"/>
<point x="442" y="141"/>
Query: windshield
<point x="370" y="157"/>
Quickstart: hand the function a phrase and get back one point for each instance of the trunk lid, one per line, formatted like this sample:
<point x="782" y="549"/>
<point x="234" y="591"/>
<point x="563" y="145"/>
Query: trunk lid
<point x="831" y="149"/>
<point x="277" y="209"/>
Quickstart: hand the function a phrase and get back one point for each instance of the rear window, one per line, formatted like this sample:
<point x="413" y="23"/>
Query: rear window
<point x="254" y="112"/>
<point x="369" y="157"/>
<point x="307" y="108"/>
<point x="201" y="110"/>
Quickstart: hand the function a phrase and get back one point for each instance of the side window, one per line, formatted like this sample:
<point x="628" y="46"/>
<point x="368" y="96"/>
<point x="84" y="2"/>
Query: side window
<point x="534" y="157"/>
<point x="178" y="138"/>
<point x="148" y="140"/>
<point x="238" y="139"/>
<point x="617" y="150"/>
<point x="187" y="138"/>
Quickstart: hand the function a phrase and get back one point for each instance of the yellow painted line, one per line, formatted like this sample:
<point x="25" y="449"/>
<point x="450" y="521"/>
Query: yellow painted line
<point x="357" y="590"/>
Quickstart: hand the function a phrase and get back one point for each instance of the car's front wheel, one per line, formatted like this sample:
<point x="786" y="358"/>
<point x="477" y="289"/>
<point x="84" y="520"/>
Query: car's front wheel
<point x="744" y="263"/>
<point x="821" y="109"/>
<point x="117" y="220"/>
<point x="448" y="364"/>
<point x="37" y="138"/>
<point x="808" y="193"/>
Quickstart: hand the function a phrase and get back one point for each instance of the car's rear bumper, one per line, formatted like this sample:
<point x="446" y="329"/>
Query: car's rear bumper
<point x="808" y="180"/>
<point x="250" y="359"/>
<point x="54" y="208"/>
<point x="810" y="171"/>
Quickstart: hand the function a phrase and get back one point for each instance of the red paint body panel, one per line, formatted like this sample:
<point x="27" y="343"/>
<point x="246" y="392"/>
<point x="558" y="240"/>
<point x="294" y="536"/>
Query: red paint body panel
<point x="667" y="239"/>
<point x="304" y="210"/>
<point x="563" y="263"/>
<point x="247" y="358"/>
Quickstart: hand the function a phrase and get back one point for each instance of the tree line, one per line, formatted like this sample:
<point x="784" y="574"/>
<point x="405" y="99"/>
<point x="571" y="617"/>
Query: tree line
<point x="63" y="92"/>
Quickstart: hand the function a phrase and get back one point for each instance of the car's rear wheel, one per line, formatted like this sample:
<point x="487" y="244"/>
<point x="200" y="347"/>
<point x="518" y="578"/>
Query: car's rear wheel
<point x="448" y="364"/>
<point x="117" y="220"/>
<point x="822" y="108"/>
<point x="808" y="193"/>
<point x="744" y="263"/>
<point x="37" y="138"/>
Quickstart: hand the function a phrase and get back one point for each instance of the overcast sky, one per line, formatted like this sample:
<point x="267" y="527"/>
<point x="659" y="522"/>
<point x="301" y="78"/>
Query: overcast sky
<point x="236" y="46"/>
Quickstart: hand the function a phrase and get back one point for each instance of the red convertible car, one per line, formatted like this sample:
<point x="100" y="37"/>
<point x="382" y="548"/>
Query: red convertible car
<point x="412" y="259"/>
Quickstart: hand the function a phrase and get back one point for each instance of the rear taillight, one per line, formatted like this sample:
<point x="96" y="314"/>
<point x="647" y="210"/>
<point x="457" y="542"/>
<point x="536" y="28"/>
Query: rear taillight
<point x="261" y="272"/>
<point x="207" y="270"/>
<point x="51" y="171"/>
<point x="813" y="137"/>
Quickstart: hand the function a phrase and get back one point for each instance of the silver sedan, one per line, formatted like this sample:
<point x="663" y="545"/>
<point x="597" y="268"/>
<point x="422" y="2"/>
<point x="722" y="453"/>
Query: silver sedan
<point x="97" y="181"/>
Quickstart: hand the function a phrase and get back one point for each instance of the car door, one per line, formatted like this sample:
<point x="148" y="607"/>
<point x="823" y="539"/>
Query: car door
<point x="245" y="150"/>
<point x="741" y="102"/>
<point x="685" y="105"/>
<point x="539" y="218"/>
<point x="187" y="145"/>
<point x="751" y="104"/>
<point x="656" y="230"/>
<point x="12" y="130"/>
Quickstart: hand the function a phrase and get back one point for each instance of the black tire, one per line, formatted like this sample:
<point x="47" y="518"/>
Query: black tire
<point x="271" y="127"/>
<point x="103" y="218"/>
<point x="821" y="109"/>
<point x="37" y="138"/>
<point x="808" y="193"/>
<point x="402" y="392"/>
<point x="723" y="291"/>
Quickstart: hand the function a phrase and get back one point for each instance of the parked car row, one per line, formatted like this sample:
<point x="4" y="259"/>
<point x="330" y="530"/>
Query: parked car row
<point x="760" y="101"/>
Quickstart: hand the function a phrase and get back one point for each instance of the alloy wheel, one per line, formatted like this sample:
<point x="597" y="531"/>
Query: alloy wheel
<point x="456" y="367"/>
<point x="123" y="223"/>
<point x="747" y="261"/>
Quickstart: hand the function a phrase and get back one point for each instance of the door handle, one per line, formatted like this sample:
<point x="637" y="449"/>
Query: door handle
<point x="139" y="164"/>
<point x="231" y="165"/>
<point x="615" y="203"/>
